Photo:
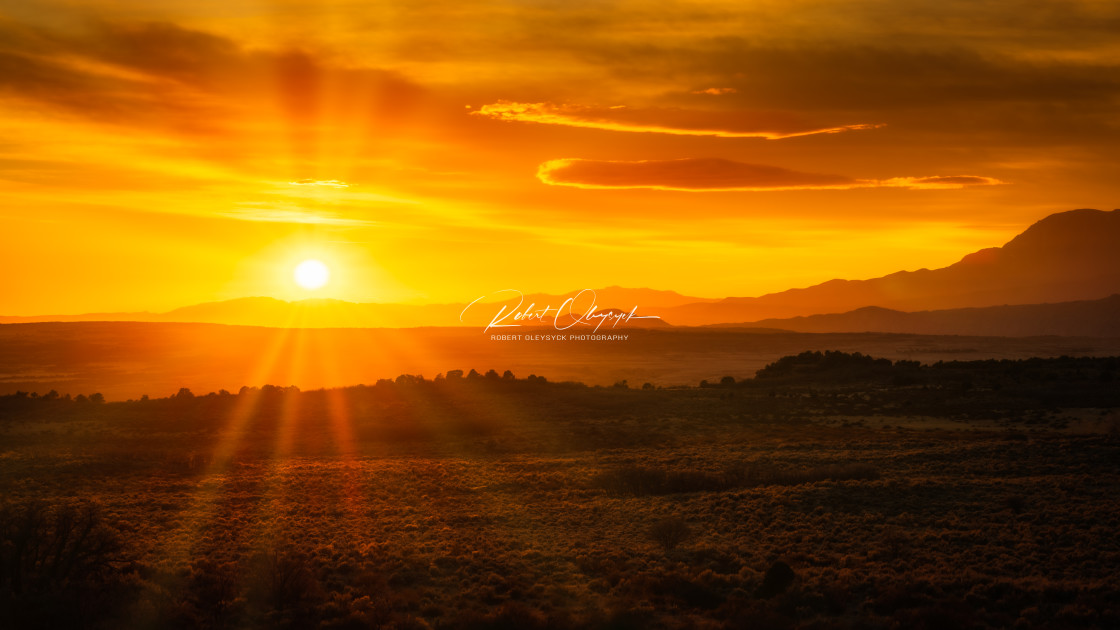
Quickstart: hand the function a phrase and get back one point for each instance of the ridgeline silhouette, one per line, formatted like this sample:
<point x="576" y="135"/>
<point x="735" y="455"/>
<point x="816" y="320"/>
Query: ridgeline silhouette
<point x="1068" y="256"/>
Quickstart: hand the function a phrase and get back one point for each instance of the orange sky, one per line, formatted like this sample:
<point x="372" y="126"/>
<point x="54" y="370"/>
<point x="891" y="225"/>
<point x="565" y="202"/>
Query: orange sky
<point x="154" y="157"/>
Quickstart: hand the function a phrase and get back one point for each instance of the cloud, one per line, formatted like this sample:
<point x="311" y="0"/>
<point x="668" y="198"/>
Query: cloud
<point x="685" y="174"/>
<point x="331" y="183"/>
<point x="674" y="121"/>
<point x="282" y="215"/>
<point x="940" y="181"/>
<point x="714" y="174"/>
<point x="162" y="75"/>
<point x="716" y="91"/>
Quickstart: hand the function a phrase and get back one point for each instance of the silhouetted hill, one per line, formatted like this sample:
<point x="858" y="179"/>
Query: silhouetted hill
<point x="624" y="298"/>
<point x="1064" y="257"/>
<point x="1069" y="256"/>
<point x="1087" y="318"/>
<point x="329" y="313"/>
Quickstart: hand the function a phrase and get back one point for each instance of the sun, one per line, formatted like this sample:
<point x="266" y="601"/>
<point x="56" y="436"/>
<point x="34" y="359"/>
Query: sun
<point x="311" y="274"/>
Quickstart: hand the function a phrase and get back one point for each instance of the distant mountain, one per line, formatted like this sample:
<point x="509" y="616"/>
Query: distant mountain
<point x="622" y="298"/>
<point x="138" y="316"/>
<point x="1087" y="318"/>
<point x="604" y="320"/>
<point x="1066" y="256"/>
<point x="328" y="313"/>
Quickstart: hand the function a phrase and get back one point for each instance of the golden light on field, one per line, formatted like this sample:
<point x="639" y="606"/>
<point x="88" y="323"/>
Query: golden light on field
<point x="311" y="274"/>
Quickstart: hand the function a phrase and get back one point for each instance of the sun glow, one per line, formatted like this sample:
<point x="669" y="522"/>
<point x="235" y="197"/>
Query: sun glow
<point x="311" y="274"/>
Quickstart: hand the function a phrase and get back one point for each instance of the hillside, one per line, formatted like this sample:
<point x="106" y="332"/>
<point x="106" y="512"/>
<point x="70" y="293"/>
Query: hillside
<point x="1087" y="318"/>
<point x="329" y="313"/>
<point x="1065" y="257"/>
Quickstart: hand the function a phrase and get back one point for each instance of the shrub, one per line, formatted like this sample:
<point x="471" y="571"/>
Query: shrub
<point x="59" y="565"/>
<point x="50" y="547"/>
<point x="286" y="580"/>
<point x="764" y="475"/>
<point x="669" y="532"/>
<point x="778" y="578"/>
<point x="642" y="481"/>
<point x="213" y="596"/>
<point x="509" y="616"/>
<point x="1016" y="503"/>
<point x="632" y="480"/>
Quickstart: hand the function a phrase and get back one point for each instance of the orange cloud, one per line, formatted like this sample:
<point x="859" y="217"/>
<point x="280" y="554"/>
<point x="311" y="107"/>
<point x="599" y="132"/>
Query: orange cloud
<point x="281" y="215"/>
<point x="674" y="121"/>
<point x="713" y="174"/>
<point x="330" y="183"/>
<point x="166" y="77"/>
<point x="716" y="91"/>
<point x="940" y="181"/>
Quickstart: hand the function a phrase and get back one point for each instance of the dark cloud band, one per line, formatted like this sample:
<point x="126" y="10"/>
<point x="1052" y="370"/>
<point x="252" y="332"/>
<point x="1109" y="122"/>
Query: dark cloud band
<point x="713" y="174"/>
<point x="672" y="121"/>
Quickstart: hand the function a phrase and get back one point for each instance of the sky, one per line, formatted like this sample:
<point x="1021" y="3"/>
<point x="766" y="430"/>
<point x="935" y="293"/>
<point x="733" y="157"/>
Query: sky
<point x="156" y="155"/>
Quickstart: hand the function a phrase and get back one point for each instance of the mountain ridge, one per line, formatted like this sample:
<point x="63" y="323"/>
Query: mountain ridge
<point x="1083" y="318"/>
<point x="1064" y="257"/>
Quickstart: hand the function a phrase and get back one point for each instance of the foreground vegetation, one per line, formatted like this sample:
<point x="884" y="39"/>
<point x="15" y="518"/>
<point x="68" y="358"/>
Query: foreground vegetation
<point x="833" y="491"/>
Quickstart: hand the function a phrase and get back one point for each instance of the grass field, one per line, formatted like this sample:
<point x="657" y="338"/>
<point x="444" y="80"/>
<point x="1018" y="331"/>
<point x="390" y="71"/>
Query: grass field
<point x="803" y="502"/>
